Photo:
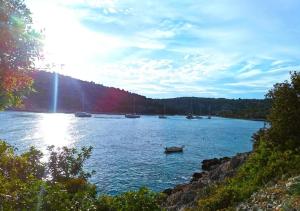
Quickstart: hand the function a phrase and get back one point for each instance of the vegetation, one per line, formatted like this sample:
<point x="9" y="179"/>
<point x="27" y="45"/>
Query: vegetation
<point x="26" y="182"/>
<point x="75" y="95"/>
<point x="19" y="47"/>
<point x="276" y="151"/>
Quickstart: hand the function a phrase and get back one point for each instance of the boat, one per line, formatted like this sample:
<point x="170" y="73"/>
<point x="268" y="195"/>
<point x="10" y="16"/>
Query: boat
<point x="199" y="113"/>
<point x="190" y="116"/>
<point x="133" y="115"/>
<point x="83" y="114"/>
<point x="173" y="149"/>
<point x="163" y="116"/>
<point x="209" y="114"/>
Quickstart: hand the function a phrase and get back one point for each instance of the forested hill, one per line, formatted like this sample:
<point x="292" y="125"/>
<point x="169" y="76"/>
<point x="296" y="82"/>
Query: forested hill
<point x="76" y="95"/>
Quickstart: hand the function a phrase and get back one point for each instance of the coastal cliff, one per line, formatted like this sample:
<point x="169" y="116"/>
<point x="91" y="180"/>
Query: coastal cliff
<point x="214" y="171"/>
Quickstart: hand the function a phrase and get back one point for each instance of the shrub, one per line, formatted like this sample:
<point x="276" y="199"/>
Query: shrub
<point x="141" y="200"/>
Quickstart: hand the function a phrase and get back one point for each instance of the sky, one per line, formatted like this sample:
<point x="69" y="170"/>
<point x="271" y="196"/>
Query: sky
<point x="173" y="48"/>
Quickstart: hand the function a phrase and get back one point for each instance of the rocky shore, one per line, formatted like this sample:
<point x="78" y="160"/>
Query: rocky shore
<point x="214" y="170"/>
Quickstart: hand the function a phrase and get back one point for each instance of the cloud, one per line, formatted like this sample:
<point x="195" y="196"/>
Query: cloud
<point x="214" y="48"/>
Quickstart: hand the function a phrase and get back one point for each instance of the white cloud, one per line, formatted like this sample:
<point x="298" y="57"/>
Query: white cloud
<point x="162" y="48"/>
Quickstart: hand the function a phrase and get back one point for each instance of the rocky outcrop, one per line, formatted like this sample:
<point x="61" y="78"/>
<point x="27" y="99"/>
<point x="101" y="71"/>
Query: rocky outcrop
<point x="279" y="195"/>
<point x="215" y="170"/>
<point x="210" y="164"/>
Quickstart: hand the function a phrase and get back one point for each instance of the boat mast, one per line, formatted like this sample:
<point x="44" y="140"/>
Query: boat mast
<point x="134" y="105"/>
<point x="192" y="106"/>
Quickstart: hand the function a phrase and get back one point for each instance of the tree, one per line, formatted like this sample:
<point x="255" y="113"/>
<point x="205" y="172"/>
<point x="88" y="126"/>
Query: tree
<point x="285" y="114"/>
<point x="19" y="48"/>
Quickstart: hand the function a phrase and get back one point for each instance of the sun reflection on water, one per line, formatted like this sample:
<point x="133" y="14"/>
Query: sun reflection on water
<point x="55" y="129"/>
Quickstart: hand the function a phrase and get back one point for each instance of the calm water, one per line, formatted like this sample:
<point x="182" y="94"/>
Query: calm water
<point x="129" y="153"/>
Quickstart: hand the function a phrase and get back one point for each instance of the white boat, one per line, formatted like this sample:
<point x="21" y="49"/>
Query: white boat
<point x="173" y="149"/>
<point x="163" y="116"/>
<point x="209" y="114"/>
<point x="83" y="114"/>
<point x="132" y="116"/>
<point x="190" y="116"/>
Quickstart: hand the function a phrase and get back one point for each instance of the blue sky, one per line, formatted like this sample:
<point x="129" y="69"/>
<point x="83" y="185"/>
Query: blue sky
<point x="215" y="48"/>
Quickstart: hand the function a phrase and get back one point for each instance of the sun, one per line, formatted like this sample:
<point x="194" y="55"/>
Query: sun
<point x="67" y="41"/>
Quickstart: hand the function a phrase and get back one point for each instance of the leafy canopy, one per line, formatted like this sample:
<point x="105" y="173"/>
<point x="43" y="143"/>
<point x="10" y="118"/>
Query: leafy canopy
<point x="284" y="117"/>
<point x="19" y="48"/>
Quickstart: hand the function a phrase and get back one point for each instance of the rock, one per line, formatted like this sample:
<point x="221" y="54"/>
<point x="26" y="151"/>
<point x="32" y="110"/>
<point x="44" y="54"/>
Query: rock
<point x="168" y="191"/>
<point x="196" y="176"/>
<point x="185" y="195"/>
<point x="209" y="164"/>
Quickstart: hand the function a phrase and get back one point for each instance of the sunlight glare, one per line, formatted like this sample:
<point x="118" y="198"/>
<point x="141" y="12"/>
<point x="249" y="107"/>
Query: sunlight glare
<point x="55" y="129"/>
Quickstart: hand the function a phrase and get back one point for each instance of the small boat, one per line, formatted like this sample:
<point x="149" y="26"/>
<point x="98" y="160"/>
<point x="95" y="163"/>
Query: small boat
<point x="132" y="116"/>
<point x="82" y="114"/>
<point x="198" y="117"/>
<point x="173" y="149"/>
<point x="209" y="114"/>
<point x="163" y="116"/>
<point x="190" y="116"/>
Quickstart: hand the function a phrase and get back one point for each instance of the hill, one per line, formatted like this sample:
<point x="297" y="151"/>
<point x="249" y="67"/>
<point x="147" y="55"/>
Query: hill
<point x="76" y="95"/>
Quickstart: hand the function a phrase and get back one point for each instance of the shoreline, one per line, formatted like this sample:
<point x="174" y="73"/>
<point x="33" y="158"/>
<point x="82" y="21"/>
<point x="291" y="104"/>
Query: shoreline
<point x="109" y="113"/>
<point x="214" y="170"/>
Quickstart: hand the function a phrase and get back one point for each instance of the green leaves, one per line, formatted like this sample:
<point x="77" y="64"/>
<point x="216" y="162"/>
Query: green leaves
<point x="19" y="47"/>
<point x="141" y="200"/>
<point x="60" y="183"/>
<point x="284" y="118"/>
<point x="67" y="163"/>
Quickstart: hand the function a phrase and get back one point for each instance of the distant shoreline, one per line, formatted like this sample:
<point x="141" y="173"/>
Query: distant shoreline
<point x="109" y="113"/>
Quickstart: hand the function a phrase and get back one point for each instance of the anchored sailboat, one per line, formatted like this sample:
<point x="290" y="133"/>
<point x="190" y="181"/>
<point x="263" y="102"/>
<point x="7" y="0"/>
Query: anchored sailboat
<point x="209" y="114"/>
<point x="163" y="116"/>
<point x="132" y="115"/>
<point x="82" y="113"/>
<point x="190" y="115"/>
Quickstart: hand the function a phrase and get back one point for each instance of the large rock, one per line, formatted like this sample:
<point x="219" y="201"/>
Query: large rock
<point x="216" y="170"/>
<point x="210" y="164"/>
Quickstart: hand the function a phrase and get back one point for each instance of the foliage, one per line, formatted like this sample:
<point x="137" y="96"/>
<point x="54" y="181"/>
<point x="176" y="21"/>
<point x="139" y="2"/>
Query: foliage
<point x="276" y="151"/>
<point x="75" y="95"/>
<point x="284" y="116"/>
<point x="264" y="165"/>
<point x="295" y="187"/>
<point x="19" y="47"/>
<point x="133" y="201"/>
<point x="67" y="163"/>
<point x="27" y="183"/>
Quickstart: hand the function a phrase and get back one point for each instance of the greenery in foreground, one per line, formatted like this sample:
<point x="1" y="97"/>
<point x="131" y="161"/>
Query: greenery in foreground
<point x="276" y="152"/>
<point x="28" y="183"/>
<point x="19" y="47"/>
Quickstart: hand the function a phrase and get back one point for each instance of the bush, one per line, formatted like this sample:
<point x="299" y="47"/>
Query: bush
<point x="133" y="201"/>
<point x="27" y="183"/>
<point x="263" y="166"/>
